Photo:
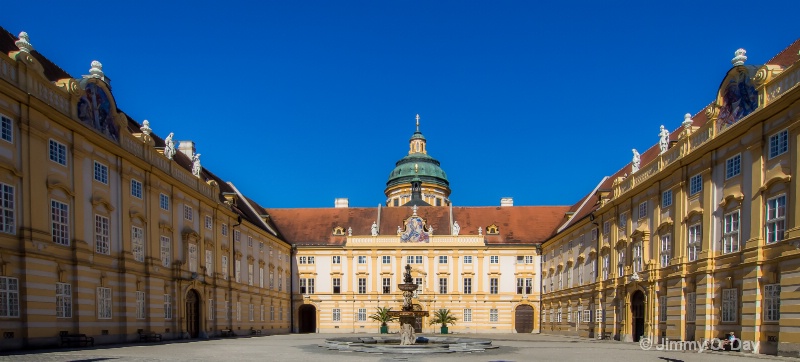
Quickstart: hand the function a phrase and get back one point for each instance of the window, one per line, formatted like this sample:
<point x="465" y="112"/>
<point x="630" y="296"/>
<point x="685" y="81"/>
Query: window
<point x="642" y="210"/>
<point x="163" y="201"/>
<point x="730" y="236"/>
<point x="250" y="242"/>
<point x="166" y="253"/>
<point x="695" y="184"/>
<point x="103" y="303"/>
<point x="561" y="280"/>
<point x="525" y="259"/>
<point x="311" y="260"/>
<point x="224" y="229"/>
<point x="524" y="286"/>
<point x="209" y="263"/>
<point x="467" y="315"/>
<point x="620" y="263"/>
<point x="272" y="312"/>
<point x="137" y="243"/>
<point x="362" y="314"/>
<point x="666" y="199"/>
<point x="467" y="285"/>
<point x="418" y="281"/>
<point x="623" y="223"/>
<point x="63" y="300"/>
<point x="211" y="311"/>
<point x="587" y="316"/>
<point x="594" y="234"/>
<point x="387" y="285"/>
<point x="362" y="259"/>
<point x="493" y="315"/>
<point x="101" y="242"/>
<point x="336" y="259"/>
<point x="695" y="238"/>
<point x="362" y="285"/>
<point x="598" y="315"/>
<point x="7" y="223"/>
<point x="662" y="309"/>
<point x="168" y="306"/>
<point x="58" y="153"/>
<point x="729" y="305"/>
<point x="237" y="270"/>
<point x="607" y="228"/>
<point x="468" y="259"/>
<point x="237" y="235"/>
<point x="250" y="274"/>
<point x="188" y="213"/>
<point x="140" y="303"/>
<point x="209" y="222"/>
<point x="337" y="285"/>
<point x="261" y="312"/>
<point x="100" y="173"/>
<point x="493" y="284"/>
<point x="6" y="130"/>
<point x="302" y="260"/>
<point x="666" y="249"/>
<point x="386" y="259"/>
<point x="772" y="302"/>
<point x="637" y="257"/>
<point x="443" y="285"/>
<point x="569" y="314"/>
<point x="225" y="267"/>
<point x="337" y="315"/>
<point x="606" y="265"/>
<point x="260" y="277"/>
<point x="778" y="143"/>
<point x="238" y="311"/>
<point x="442" y="259"/>
<point x="250" y="314"/>
<point x="306" y="285"/>
<point x="494" y="259"/>
<point x="733" y="166"/>
<point x="136" y="189"/>
<point x="691" y="306"/>
<point x="59" y="215"/>
<point x="776" y="218"/>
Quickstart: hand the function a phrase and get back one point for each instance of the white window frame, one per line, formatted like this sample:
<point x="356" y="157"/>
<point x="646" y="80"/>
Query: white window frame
<point x="6" y="129"/>
<point x="166" y="251"/>
<point x="211" y="311"/>
<point x="193" y="250"/>
<point x="8" y="224"/>
<point x="467" y="285"/>
<point x="209" y="262"/>
<point x="362" y="314"/>
<point x="137" y="243"/>
<point x="336" y="285"/>
<point x="336" y="259"/>
<point x="58" y="152"/>
<point x="386" y="260"/>
<point x="337" y="315"/>
<point x="467" y="259"/>
<point x="224" y="262"/>
<point x="443" y="286"/>
<point x="606" y="265"/>
<point x="443" y="259"/>
<point x="665" y="250"/>
<point x="140" y="304"/>
<point x="733" y="166"/>
<point x="362" y="259"/>
<point x="102" y="243"/>
<point x="467" y="315"/>
<point x="730" y="232"/>
<point x="104" y="307"/>
<point x="730" y="305"/>
<point x="691" y="307"/>
<point x="494" y="285"/>
<point x="775" y="226"/>
<point x="237" y="270"/>
<point x="9" y="297"/>
<point x="224" y="229"/>
<point x="607" y="228"/>
<point x="163" y="201"/>
<point x="494" y="259"/>
<point x="662" y="309"/>
<point x="642" y="210"/>
<point x="695" y="241"/>
<point x="666" y="199"/>
<point x="695" y="184"/>
<point x="386" y="285"/>
<point x="772" y="303"/>
<point x="101" y="173"/>
<point x="63" y="300"/>
<point x="59" y="217"/>
<point x="620" y="263"/>
<point x="778" y="144"/>
<point x="493" y="315"/>
<point x="136" y="188"/>
<point x="362" y="285"/>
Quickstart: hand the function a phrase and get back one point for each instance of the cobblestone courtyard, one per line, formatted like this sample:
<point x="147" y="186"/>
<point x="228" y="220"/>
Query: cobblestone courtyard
<point x="307" y="348"/>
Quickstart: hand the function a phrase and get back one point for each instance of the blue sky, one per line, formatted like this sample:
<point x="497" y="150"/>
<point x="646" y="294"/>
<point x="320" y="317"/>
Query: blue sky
<point x="301" y="102"/>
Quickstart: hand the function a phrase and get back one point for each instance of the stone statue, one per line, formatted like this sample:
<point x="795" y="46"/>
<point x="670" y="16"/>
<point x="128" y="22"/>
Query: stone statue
<point x="407" y="275"/>
<point x="635" y="162"/>
<point x="399" y="230"/>
<point x="407" y="336"/>
<point x="196" y="168"/>
<point x="480" y="231"/>
<point x="374" y="228"/>
<point x="349" y="231"/>
<point x="430" y="230"/>
<point x="169" y="148"/>
<point x="456" y="228"/>
<point x="663" y="141"/>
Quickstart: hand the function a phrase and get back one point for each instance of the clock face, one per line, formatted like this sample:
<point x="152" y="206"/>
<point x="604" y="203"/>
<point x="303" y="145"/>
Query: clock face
<point x="94" y="110"/>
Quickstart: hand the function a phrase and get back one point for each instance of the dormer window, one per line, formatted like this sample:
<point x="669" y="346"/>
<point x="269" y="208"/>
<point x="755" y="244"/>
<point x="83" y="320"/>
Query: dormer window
<point x="492" y="229"/>
<point x="338" y="231"/>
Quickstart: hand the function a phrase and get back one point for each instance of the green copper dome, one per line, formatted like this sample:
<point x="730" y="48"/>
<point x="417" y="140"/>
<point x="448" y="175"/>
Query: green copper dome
<point x="420" y="165"/>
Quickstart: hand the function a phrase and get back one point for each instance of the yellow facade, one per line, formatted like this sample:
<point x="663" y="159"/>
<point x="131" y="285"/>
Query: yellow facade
<point x="708" y="232"/>
<point x="86" y="246"/>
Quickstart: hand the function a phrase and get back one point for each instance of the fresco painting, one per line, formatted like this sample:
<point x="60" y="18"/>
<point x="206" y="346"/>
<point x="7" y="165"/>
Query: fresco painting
<point x="94" y="110"/>
<point x="415" y="231"/>
<point x="739" y="98"/>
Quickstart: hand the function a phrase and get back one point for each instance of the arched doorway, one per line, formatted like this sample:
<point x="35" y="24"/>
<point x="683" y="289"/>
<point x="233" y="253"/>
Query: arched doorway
<point x="523" y="319"/>
<point x="193" y="313"/>
<point x="307" y="318"/>
<point x="418" y="320"/>
<point x="637" y="315"/>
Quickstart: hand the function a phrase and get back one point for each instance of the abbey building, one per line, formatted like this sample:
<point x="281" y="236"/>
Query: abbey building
<point x="112" y="228"/>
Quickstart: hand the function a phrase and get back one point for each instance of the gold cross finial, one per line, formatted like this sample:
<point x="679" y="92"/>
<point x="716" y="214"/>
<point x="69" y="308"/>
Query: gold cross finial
<point x="417" y="122"/>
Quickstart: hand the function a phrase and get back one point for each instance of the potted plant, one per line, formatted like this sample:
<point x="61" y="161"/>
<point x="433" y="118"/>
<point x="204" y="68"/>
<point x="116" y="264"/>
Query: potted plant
<point x="382" y="315"/>
<point x="443" y="317"/>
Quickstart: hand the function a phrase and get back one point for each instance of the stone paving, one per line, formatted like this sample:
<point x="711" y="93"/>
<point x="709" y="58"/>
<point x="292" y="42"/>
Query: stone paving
<point x="308" y="348"/>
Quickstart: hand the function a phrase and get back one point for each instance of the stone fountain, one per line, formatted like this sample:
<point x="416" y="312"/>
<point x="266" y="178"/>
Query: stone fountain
<point x="408" y="315"/>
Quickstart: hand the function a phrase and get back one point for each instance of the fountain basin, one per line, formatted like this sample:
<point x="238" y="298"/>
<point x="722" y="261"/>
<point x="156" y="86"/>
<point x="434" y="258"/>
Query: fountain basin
<point x="424" y="345"/>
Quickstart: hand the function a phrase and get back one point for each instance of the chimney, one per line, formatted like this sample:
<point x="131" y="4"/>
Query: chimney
<point x="341" y="203"/>
<point x="187" y="148"/>
<point x="507" y="201"/>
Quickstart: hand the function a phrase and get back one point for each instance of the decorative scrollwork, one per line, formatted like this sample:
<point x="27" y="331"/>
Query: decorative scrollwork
<point x="712" y="111"/>
<point x="762" y="76"/>
<point x="70" y="86"/>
